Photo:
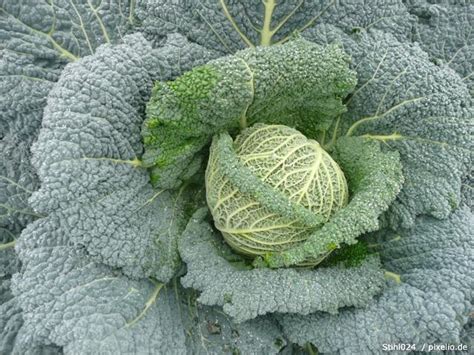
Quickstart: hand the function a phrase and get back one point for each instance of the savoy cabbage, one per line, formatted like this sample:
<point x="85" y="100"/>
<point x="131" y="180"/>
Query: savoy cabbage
<point x="108" y="110"/>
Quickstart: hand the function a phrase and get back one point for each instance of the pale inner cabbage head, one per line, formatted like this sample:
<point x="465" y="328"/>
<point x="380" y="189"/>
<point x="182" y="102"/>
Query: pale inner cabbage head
<point x="287" y="161"/>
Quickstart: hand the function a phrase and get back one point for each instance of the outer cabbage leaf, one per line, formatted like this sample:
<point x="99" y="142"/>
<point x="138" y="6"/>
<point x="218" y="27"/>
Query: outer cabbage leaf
<point x="230" y="25"/>
<point x="85" y="307"/>
<point x="87" y="159"/>
<point x="253" y="85"/>
<point x="211" y="331"/>
<point x="431" y="305"/>
<point x="10" y="312"/>
<point x="444" y="31"/>
<point x="467" y="190"/>
<point x="246" y="293"/>
<point x="11" y="322"/>
<point x="10" y="317"/>
<point x="467" y="336"/>
<point x="414" y="107"/>
<point x="38" y="38"/>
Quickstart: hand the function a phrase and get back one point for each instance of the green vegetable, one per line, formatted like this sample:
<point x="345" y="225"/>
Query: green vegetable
<point x="271" y="188"/>
<point x="107" y="111"/>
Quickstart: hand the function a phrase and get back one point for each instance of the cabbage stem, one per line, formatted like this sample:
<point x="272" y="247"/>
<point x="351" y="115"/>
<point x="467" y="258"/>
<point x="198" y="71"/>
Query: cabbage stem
<point x="243" y="122"/>
<point x="150" y="302"/>
<point x="7" y="245"/>
<point x="378" y="116"/>
<point x="384" y="138"/>
<point x="267" y="33"/>
<point x="134" y="162"/>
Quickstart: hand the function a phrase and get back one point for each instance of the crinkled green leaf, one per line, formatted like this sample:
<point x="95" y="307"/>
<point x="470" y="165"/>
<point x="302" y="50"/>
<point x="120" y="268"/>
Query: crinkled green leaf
<point x="11" y="319"/>
<point x="11" y="322"/>
<point x="87" y="159"/>
<point x="211" y="331"/>
<point x="37" y="39"/>
<point x="467" y="336"/>
<point x="444" y="30"/>
<point x="245" y="294"/>
<point x="230" y="25"/>
<point x="85" y="307"/>
<point x="431" y="305"/>
<point x="255" y="85"/>
<point x="414" y="107"/>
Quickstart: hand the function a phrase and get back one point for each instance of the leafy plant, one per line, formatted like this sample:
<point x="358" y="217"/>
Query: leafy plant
<point x="108" y="112"/>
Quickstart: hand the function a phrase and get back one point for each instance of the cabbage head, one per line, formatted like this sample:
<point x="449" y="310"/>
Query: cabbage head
<point x="309" y="184"/>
